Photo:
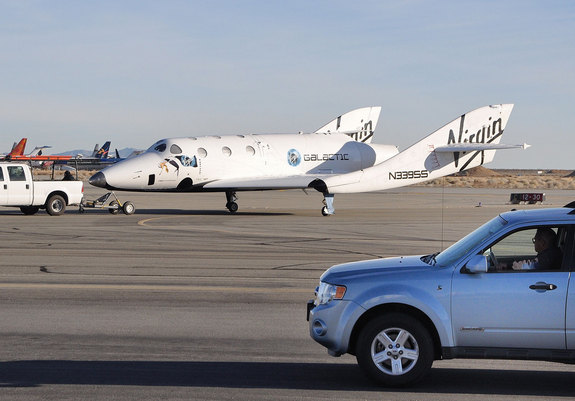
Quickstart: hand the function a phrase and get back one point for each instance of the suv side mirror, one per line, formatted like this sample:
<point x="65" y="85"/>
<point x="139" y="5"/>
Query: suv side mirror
<point x="477" y="264"/>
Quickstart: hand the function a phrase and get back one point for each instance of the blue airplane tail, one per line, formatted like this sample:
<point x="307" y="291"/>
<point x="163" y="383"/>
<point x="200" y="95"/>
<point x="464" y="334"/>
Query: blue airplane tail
<point x="102" y="153"/>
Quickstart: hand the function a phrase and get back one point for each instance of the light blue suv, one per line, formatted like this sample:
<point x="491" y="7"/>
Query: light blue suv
<point x="502" y="292"/>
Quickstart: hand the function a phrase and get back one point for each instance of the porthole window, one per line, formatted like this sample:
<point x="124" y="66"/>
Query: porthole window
<point x="250" y="150"/>
<point x="202" y="152"/>
<point x="175" y="149"/>
<point x="226" y="151"/>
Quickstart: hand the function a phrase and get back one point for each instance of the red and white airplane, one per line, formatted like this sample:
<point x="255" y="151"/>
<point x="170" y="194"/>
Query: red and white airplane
<point x="17" y="154"/>
<point x="17" y="149"/>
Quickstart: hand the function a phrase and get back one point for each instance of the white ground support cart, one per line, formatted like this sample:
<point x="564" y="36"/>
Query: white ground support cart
<point x="114" y="207"/>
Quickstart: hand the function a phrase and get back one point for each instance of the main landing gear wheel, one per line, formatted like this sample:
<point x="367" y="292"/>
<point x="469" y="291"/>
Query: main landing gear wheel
<point x="231" y="199"/>
<point x="395" y="350"/>
<point x="327" y="208"/>
<point x="232" y="207"/>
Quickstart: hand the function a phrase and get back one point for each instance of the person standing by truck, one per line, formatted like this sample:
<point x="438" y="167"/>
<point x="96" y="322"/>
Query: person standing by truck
<point x="68" y="176"/>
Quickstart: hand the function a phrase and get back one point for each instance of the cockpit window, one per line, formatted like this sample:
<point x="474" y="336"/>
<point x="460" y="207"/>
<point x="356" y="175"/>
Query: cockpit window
<point x="160" y="147"/>
<point x="175" y="149"/>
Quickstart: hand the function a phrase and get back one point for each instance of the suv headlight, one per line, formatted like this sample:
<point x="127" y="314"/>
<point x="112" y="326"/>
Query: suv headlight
<point x="326" y="292"/>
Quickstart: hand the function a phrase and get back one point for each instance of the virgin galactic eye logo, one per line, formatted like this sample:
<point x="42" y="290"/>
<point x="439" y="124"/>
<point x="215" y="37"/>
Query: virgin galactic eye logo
<point x="294" y="158"/>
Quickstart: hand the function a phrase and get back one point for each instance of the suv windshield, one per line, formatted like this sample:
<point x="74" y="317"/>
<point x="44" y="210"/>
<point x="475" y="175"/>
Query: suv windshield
<point x="467" y="243"/>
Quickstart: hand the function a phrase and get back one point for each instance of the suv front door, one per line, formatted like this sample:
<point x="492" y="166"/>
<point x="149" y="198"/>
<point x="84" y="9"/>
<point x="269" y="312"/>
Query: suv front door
<point x="509" y="308"/>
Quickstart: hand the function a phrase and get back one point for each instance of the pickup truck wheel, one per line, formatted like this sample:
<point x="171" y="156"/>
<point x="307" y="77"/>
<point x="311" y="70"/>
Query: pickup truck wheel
<point x="29" y="210"/>
<point x="395" y="350"/>
<point x="55" y="205"/>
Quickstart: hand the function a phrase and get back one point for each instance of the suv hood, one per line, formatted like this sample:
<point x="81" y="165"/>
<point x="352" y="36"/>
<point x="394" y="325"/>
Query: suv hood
<point x="374" y="266"/>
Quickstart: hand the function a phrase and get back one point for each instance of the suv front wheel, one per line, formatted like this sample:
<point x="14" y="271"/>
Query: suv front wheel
<point x="395" y="350"/>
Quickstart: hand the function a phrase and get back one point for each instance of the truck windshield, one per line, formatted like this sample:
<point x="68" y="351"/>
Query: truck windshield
<point x="470" y="241"/>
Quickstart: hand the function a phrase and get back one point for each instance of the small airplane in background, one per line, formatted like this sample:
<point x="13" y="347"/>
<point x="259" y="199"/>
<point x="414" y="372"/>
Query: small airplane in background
<point x="98" y="153"/>
<point x="101" y="153"/>
<point x="17" y="149"/>
<point x="337" y="158"/>
<point x="38" y="150"/>
<point x="17" y="153"/>
<point x="97" y="160"/>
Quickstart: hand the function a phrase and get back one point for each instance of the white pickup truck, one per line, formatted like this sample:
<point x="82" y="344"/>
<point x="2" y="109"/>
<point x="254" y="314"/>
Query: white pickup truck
<point x="18" y="188"/>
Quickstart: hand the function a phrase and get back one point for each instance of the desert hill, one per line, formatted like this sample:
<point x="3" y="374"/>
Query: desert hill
<point x="482" y="177"/>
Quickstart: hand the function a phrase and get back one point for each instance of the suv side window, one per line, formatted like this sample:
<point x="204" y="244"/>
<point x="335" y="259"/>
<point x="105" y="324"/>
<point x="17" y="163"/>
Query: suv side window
<point x="1" y="174"/>
<point x="533" y="248"/>
<point x="16" y="173"/>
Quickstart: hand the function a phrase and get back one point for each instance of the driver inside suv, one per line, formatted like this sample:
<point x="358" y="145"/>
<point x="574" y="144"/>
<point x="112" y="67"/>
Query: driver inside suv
<point x="513" y="251"/>
<point x="549" y="256"/>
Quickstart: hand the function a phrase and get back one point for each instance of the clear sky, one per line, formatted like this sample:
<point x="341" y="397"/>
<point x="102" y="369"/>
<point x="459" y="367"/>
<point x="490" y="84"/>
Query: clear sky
<point x="75" y="73"/>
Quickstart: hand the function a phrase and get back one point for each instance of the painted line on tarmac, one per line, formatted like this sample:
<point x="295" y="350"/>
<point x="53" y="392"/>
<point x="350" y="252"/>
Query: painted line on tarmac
<point x="153" y="287"/>
<point x="144" y="222"/>
<point x="238" y="231"/>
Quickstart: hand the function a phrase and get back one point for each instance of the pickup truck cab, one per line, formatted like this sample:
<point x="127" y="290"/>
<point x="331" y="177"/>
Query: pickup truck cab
<point x="19" y="189"/>
<point x="503" y="291"/>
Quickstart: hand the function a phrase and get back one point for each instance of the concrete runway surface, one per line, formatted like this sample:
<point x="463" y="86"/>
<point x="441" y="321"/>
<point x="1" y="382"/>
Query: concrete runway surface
<point x="184" y="301"/>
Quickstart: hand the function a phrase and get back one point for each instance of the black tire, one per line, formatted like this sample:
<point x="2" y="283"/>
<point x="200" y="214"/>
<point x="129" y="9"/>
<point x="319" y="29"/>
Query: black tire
<point x="395" y="350"/>
<point x="232" y="207"/>
<point x="114" y="207"/>
<point x="29" y="210"/>
<point x="55" y="205"/>
<point x="128" y="208"/>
